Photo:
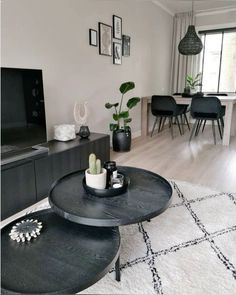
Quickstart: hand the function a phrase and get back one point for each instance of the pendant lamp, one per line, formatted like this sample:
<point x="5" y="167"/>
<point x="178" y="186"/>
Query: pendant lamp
<point x="191" y="44"/>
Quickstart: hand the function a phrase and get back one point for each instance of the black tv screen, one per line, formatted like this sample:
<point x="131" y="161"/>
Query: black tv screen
<point x="22" y="109"/>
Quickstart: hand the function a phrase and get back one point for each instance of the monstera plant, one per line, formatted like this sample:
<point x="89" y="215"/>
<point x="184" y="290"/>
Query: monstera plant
<point x="121" y="136"/>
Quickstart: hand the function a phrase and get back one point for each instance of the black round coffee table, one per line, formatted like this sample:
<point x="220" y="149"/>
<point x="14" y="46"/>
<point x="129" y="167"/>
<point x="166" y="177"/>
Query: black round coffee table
<point x="148" y="195"/>
<point x="66" y="258"/>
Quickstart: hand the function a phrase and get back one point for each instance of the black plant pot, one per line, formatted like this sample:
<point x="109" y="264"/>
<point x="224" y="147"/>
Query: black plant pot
<point x="121" y="140"/>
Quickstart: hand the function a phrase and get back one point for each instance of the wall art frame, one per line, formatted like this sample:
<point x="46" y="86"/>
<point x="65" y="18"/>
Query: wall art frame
<point x="105" y="39"/>
<point x="117" y="27"/>
<point x="125" y="45"/>
<point x="93" y="39"/>
<point x="117" y="53"/>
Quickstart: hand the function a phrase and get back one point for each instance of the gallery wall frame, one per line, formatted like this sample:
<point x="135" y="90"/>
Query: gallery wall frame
<point x="125" y="45"/>
<point x="117" y="27"/>
<point x="93" y="37"/>
<point x="105" y="39"/>
<point x="117" y="53"/>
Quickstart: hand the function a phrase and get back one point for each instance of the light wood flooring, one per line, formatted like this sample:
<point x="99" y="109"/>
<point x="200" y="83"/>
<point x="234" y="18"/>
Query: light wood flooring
<point x="200" y="162"/>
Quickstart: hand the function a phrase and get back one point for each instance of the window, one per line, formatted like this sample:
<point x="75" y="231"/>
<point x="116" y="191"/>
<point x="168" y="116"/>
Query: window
<point x="218" y="60"/>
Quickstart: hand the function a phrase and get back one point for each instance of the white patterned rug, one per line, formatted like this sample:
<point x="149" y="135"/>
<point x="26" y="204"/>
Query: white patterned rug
<point x="190" y="249"/>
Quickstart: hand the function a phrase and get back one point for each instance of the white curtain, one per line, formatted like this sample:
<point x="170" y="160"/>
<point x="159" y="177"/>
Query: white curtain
<point x="182" y="65"/>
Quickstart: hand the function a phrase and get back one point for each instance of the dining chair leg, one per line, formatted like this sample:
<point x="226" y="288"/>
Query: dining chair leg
<point x="177" y="120"/>
<point x="185" y="116"/>
<point x="218" y="123"/>
<point x="204" y="124"/>
<point x="159" y="128"/>
<point x="198" y="127"/>
<point x="171" y="127"/>
<point x="163" y="123"/>
<point x="193" y="130"/>
<point x="222" y="124"/>
<point x="214" y="131"/>
<point x="154" y="125"/>
<point x="182" y="123"/>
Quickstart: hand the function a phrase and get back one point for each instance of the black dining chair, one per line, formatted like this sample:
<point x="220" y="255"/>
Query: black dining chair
<point x="165" y="106"/>
<point x="204" y="109"/>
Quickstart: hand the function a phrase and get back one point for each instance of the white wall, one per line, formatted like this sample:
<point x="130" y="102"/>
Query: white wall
<point x="53" y="35"/>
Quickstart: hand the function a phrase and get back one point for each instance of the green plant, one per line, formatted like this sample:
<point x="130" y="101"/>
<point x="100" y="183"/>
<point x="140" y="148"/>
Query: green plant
<point x="94" y="165"/>
<point x="121" y="116"/>
<point x="193" y="82"/>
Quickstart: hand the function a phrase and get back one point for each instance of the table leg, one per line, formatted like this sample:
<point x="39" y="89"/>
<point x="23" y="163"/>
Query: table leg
<point x="144" y="116"/>
<point x="227" y="123"/>
<point x="117" y="268"/>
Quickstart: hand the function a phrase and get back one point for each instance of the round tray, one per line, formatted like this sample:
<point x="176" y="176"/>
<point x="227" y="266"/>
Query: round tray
<point x="107" y="192"/>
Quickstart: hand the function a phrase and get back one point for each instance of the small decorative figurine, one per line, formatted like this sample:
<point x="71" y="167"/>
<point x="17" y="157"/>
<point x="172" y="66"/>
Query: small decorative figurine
<point x="25" y="230"/>
<point x="81" y="117"/>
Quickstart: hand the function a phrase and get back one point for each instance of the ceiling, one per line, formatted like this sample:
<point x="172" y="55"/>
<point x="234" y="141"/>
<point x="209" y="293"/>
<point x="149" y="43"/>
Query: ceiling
<point x="176" y="6"/>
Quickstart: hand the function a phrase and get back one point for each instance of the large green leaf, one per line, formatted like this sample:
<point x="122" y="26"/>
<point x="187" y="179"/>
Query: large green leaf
<point x="116" y="117"/>
<point x="125" y="87"/>
<point x="132" y="102"/>
<point x="113" y="127"/>
<point x="110" y="105"/>
<point x="124" y="115"/>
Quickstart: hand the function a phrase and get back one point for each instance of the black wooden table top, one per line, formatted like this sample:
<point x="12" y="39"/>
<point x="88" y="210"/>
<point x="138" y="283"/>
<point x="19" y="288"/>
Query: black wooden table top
<point x="66" y="258"/>
<point x="148" y="195"/>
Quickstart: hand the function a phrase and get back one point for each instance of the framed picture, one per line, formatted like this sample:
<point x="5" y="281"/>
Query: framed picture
<point x="117" y="27"/>
<point x="93" y="37"/>
<point x="117" y="53"/>
<point x="125" y="45"/>
<point x="104" y="39"/>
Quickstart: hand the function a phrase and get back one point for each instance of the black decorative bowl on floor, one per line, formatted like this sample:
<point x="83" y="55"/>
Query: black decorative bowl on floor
<point x="107" y="192"/>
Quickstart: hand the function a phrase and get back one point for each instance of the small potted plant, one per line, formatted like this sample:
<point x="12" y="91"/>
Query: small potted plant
<point x="121" y="132"/>
<point x="192" y="83"/>
<point x="95" y="175"/>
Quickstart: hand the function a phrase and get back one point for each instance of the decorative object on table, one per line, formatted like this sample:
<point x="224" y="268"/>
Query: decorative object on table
<point x="192" y="82"/>
<point x="111" y="168"/>
<point x="95" y="175"/>
<point x="26" y="230"/>
<point x="125" y="45"/>
<point x="81" y="117"/>
<point x="120" y="186"/>
<point x="121" y="137"/>
<point x="191" y="44"/>
<point x="105" y="41"/>
<point x="93" y="37"/>
<point x="117" y="27"/>
<point x="64" y="132"/>
<point x="117" y="180"/>
<point x="117" y="53"/>
<point x="84" y="132"/>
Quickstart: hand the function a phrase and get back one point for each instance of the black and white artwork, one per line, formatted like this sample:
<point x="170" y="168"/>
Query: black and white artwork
<point x="117" y="27"/>
<point x="125" y="45"/>
<point x="93" y="37"/>
<point x="117" y="53"/>
<point x="105" y="42"/>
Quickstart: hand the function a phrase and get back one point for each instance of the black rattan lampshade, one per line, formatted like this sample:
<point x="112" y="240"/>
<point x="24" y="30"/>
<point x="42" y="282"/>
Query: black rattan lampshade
<point x="191" y="44"/>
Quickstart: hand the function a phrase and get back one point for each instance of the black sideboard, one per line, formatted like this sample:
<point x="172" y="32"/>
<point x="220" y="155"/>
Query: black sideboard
<point x="27" y="181"/>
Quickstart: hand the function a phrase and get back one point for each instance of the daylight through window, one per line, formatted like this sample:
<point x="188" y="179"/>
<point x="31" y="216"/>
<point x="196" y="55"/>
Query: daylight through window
<point x="218" y="60"/>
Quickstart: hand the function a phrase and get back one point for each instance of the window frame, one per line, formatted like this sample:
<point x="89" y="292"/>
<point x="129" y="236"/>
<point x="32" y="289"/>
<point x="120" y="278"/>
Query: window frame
<point x="211" y="32"/>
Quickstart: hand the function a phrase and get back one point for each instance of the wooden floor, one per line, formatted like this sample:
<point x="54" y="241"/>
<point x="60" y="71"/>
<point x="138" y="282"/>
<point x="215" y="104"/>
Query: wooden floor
<point x="200" y="162"/>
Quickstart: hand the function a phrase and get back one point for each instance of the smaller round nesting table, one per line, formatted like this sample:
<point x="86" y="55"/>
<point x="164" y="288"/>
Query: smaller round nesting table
<point x="147" y="196"/>
<point x="66" y="258"/>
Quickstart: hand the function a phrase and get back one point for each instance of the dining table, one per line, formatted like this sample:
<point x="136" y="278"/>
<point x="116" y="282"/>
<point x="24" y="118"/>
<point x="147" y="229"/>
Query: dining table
<point x="229" y="119"/>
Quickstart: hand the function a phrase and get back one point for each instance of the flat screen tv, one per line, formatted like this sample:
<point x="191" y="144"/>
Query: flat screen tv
<point x="23" y="122"/>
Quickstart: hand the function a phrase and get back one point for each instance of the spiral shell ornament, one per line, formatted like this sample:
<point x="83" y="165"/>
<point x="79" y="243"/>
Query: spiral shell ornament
<point x="26" y="230"/>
